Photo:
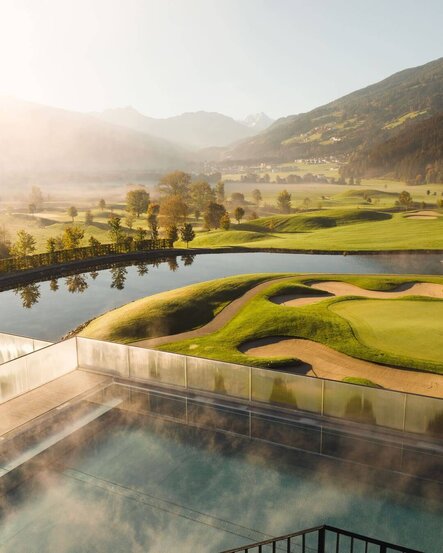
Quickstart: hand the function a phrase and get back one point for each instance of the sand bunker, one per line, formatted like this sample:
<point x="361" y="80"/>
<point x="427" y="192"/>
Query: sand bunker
<point x="423" y="215"/>
<point x="336" y="288"/>
<point x="329" y="363"/>
<point x="298" y="300"/>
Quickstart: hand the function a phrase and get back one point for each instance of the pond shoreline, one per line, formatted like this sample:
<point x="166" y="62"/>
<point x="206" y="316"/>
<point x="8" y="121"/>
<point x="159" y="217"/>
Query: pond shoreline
<point x="11" y="280"/>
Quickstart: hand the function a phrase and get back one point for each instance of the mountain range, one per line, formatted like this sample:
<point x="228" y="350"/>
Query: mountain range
<point x="357" y="120"/>
<point x="195" y="130"/>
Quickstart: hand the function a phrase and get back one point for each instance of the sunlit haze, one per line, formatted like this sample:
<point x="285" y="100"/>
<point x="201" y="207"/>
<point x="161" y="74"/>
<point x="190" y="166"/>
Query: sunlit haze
<point x="233" y="56"/>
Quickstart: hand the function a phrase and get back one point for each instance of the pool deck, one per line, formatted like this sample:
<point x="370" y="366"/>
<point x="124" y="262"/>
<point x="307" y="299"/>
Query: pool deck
<point x="20" y="410"/>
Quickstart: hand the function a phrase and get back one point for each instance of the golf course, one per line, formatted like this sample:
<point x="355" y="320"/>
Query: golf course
<point x="375" y="330"/>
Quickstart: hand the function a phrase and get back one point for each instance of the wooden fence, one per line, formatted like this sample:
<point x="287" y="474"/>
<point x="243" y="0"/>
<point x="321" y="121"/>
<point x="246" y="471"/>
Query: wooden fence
<point x="59" y="257"/>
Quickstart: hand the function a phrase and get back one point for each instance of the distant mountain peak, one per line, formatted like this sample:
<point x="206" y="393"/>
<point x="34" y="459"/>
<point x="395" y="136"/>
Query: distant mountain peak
<point x="259" y="121"/>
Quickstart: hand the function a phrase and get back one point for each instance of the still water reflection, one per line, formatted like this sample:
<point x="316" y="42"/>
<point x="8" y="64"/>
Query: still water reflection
<point x="49" y="309"/>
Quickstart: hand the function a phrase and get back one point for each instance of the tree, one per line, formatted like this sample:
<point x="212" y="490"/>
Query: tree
<point x="32" y="208"/>
<point x="306" y="203"/>
<point x="129" y="220"/>
<point x="239" y="213"/>
<point x="102" y="204"/>
<point x="89" y="218"/>
<point x="175" y="184"/>
<point x="140" y="234"/>
<point x="72" y="236"/>
<point x="201" y="194"/>
<point x="5" y="243"/>
<point x="154" y="230"/>
<point x="284" y="201"/>
<point x="172" y="233"/>
<point x="187" y="233"/>
<point x="220" y="192"/>
<point x="405" y="199"/>
<point x="256" y="195"/>
<point x="153" y="209"/>
<point x="237" y="197"/>
<point x="197" y="214"/>
<point x="36" y="197"/>
<point x="137" y="201"/>
<point x="174" y="210"/>
<point x="72" y="212"/>
<point x="23" y="245"/>
<point x="51" y="245"/>
<point x="225" y="221"/>
<point x="116" y="231"/>
<point x="93" y="242"/>
<point x="213" y="214"/>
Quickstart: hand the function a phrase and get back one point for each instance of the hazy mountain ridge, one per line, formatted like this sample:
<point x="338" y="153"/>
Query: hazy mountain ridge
<point x="414" y="154"/>
<point x="358" y="119"/>
<point x="36" y="138"/>
<point x="195" y="130"/>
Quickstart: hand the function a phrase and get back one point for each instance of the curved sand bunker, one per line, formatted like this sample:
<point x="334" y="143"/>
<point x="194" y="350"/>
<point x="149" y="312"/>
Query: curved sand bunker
<point x="328" y="363"/>
<point x="336" y="288"/>
<point x="423" y="215"/>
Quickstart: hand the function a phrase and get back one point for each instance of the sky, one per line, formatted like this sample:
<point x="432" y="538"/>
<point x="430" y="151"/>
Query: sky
<point x="166" y="57"/>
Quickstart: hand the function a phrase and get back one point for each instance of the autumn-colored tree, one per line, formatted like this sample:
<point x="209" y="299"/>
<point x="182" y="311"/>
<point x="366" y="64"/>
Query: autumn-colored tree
<point x="213" y="214"/>
<point x="201" y="194"/>
<point x="220" y="192"/>
<point x="175" y="184"/>
<point x="23" y="245"/>
<point x="72" y="236"/>
<point x="172" y="233"/>
<point x="225" y="221"/>
<point x="174" y="210"/>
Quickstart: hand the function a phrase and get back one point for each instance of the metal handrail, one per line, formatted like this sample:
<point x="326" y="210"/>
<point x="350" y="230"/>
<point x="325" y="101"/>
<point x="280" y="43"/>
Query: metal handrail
<point x="384" y="547"/>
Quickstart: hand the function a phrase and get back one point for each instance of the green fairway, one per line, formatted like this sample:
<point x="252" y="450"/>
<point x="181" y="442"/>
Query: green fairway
<point x="188" y="308"/>
<point x="379" y="233"/>
<point x="401" y="327"/>
<point x="170" y="312"/>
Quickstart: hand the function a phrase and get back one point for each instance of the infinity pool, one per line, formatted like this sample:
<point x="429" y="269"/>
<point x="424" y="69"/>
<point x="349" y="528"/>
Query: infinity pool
<point x="157" y="473"/>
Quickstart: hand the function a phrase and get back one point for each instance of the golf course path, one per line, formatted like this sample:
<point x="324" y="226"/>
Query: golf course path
<point x="222" y="318"/>
<point x="329" y="363"/>
<point x="337" y="288"/>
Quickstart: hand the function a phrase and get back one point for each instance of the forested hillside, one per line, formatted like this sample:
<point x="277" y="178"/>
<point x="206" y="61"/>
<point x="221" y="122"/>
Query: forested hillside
<point x="359" y="119"/>
<point x="414" y="155"/>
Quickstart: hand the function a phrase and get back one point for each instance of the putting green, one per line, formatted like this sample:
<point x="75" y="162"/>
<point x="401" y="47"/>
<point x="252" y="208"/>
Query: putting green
<point x="407" y="327"/>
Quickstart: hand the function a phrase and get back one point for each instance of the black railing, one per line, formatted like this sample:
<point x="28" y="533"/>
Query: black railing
<point x="79" y="254"/>
<point x="322" y="539"/>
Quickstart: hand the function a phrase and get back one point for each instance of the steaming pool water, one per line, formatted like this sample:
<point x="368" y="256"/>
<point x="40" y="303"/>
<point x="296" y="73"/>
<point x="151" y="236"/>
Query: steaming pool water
<point x="47" y="310"/>
<point x="158" y="473"/>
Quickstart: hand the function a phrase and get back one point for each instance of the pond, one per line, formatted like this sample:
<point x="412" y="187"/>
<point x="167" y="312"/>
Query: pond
<point x="49" y="309"/>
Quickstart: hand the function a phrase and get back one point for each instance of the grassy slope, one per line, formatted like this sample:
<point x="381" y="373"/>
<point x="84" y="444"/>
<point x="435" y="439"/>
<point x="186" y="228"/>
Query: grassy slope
<point x="404" y="327"/>
<point x="397" y="232"/>
<point x="170" y="312"/>
<point x="261" y="318"/>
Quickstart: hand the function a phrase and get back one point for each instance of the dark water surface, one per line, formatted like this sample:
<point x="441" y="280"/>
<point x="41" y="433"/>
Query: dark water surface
<point x="50" y="309"/>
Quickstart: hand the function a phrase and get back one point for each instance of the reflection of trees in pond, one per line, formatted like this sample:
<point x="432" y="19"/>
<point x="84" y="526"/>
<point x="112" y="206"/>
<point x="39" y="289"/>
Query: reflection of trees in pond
<point x="76" y="284"/>
<point x="94" y="274"/>
<point x="53" y="284"/>
<point x="118" y="275"/>
<point x="142" y="268"/>
<point x="282" y="393"/>
<point x="435" y="426"/>
<point x="153" y="372"/>
<point x="173" y="265"/>
<point x="188" y="259"/>
<point x="219" y="383"/>
<point x="29" y="294"/>
<point x="360" y="409"/>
